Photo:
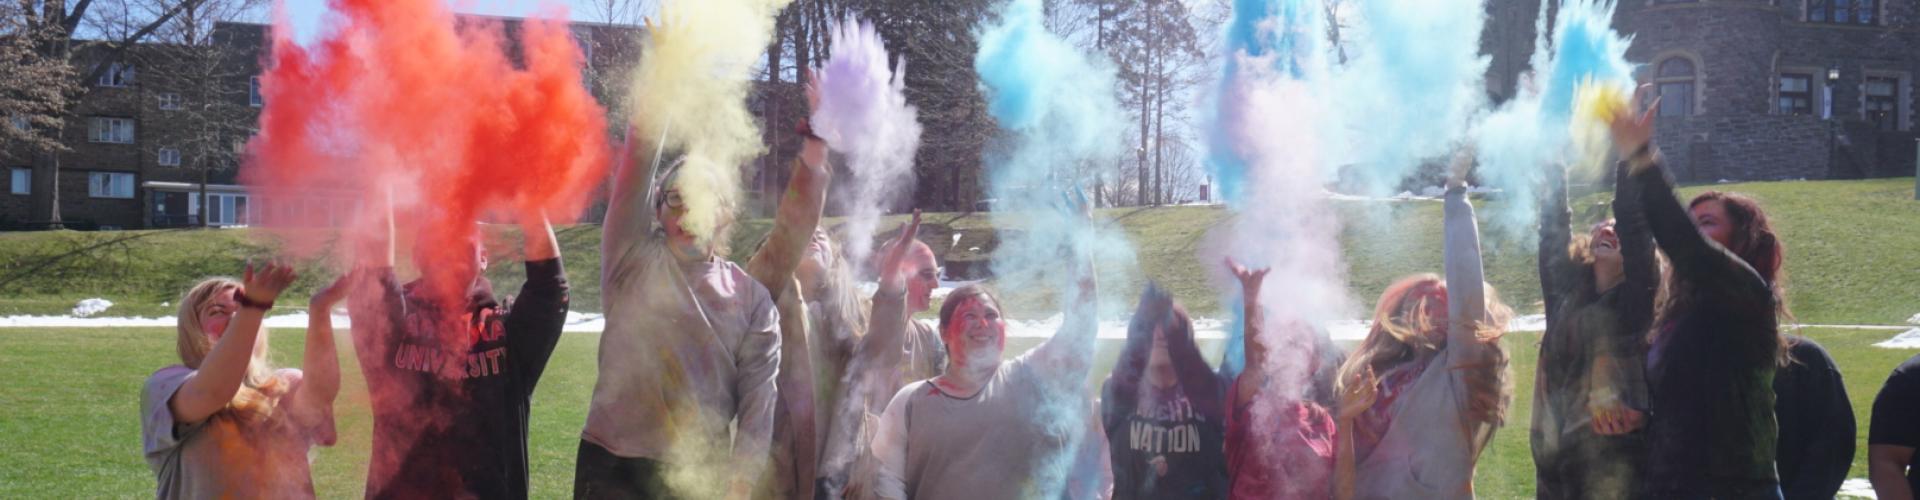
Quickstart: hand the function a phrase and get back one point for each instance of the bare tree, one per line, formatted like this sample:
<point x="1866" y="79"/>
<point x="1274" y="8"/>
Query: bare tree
<point x="54" y="29"/>
<point x="618" y="12"/>
<point x="206" y="75"/>
<point x="34" y="90"/>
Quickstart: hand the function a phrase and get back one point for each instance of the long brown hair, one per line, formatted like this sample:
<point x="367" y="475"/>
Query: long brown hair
<point x="1753" y="239"/>
<point x="260" y="388"/>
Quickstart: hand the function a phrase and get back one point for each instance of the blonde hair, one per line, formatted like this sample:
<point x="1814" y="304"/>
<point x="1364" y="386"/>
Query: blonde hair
<point x="260" y="389"/>
<point x="1399" y="335"/>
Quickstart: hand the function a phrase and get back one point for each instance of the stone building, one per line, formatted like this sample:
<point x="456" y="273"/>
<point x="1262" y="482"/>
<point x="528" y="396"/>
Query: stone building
<point x="1759" y="89"/>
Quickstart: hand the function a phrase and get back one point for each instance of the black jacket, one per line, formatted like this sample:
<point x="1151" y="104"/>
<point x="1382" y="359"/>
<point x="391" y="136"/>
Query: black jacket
<point x="451" y="422"/>
<point x="1816" y="424"/>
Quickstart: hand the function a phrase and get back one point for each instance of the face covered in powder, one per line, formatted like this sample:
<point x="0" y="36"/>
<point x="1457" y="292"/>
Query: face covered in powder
<point x="671" y="209"/>
<point x="217" y="311"/>
<point x="976" y="335"/>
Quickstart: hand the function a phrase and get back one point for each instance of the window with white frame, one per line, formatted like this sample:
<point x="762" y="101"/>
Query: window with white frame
<point x="109" y="129"/>
<point x="168" y="157"/>
<point x="1674" y="80"/>
<point x="110" y="185"/>
<point x="116" y="75"/>
<point x="1882" y="102"/>
<point x="227" y="210"/>
<point x="169" y="101"/>
<point x="20" y="180"/>
<point x="253" y="93"/>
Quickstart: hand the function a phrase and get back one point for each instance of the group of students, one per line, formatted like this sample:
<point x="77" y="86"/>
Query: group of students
<point x="1658" y="372"/>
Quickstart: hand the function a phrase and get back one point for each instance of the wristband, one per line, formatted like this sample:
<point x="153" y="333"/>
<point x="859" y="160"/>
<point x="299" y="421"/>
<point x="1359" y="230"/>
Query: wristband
<point x="249" y="303"/>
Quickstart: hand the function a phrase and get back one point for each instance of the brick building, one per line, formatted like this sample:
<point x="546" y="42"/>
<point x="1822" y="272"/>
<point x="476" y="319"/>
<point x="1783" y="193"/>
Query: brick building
<point x="154" y="142"/>
<point x="1760" y="89"/>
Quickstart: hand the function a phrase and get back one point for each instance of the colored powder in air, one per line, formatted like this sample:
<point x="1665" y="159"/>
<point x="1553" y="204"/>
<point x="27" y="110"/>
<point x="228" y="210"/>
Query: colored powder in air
<point x="1540" y="128"/>
<point x="691" y="86"/>
<point x="400" y="97"/>
<point x="864" y="115"/>
<point x="1061" y="122"/>
<point x="1271" y="119"/>
<point x="1409" y="90"/>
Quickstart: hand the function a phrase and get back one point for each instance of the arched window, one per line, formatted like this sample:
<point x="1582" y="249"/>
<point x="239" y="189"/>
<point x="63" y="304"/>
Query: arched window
<point x="1675" y="78"/>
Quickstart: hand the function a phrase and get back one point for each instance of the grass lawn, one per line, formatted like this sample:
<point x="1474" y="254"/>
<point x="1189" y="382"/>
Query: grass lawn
<point x="71" y="411"/>
<point x="1850" y="254"/>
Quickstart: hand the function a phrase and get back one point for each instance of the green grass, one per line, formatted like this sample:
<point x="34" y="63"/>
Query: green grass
<point x="70" y="410"/>
<point x="1850" y="254"/>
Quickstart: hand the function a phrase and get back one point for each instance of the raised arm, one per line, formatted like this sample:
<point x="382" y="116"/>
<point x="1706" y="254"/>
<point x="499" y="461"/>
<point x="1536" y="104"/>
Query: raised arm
<point x="219" y="376"/>
<point x="320" y="364"/>
<point x="799" y="212"/>
<point x="1069" y="352"/>
<point x="1618" y="386"/>
<point x="1557" y="270"/>
<point x="1466" y="279"/>
<point x="630" y="214"/>
<point x="887" y="324"/>
<point x="539" y="312"/>
<point x="1691" y="253"/>
<point x="1253" y="377"/>
<point x="374" y="301"/>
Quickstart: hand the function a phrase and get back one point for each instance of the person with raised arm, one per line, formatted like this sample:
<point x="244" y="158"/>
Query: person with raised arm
<point x="451" y="379"/>
<point x="684" y="402"/>
<point x="1424" y="392"/>
<point x="775" y="265"/>
<point x="1280" y="441"/>
<point x="896" y="350"/>
<point x="989" y="427"/>
<point x="1715" y="341"/>
<point x="224" y="423"/>
<point x="1163" y="409"/>
<point x="1590" y="394"/>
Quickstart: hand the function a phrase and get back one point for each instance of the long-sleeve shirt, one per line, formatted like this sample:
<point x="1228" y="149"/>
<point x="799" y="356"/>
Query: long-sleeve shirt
<point x="896" y="350"/>
<point x="1711" y="429"/>
<point x="1431" y="446"/>
<point x="1018" y="437"/>
<point x="796" y="450"/>
<point x="451" y="420"/>
<point x="1816" y="423"/>
<point x="1593" y="353"/>
<point x="690" y="350"/>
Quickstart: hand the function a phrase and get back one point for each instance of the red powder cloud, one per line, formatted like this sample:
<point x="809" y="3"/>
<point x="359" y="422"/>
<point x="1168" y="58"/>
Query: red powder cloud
<point x="400" y="96"/>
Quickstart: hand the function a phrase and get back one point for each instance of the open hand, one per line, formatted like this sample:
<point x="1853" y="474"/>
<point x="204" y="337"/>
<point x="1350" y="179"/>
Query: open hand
<point x="324" y="300"/>
<point x="1461" y="165"/>
<point x="1250" y="279"/>
<point x="1633" y="127"/>
<point x="262" y="284"/>
<point x="1358" y="394"/>
<point x="891" y="277"/>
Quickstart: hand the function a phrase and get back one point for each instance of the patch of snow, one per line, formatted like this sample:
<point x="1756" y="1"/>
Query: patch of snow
<point x="1909" y="339"/>
<point x="1723" y="181"/>
<point x="90" y="307"/>
<point x="1352" y="330"/>
<point x="1915" y="320"/>
<point x="1858" y="487"/>
<point x="1433" y="191"/>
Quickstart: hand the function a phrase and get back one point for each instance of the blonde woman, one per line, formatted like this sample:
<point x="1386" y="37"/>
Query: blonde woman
<point x="224" y="423"/>
<point x="1422" y="395"/>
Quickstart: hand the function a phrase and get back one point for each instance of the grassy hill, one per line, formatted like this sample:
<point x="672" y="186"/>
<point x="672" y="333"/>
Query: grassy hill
<point x="1850" y="254"/>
